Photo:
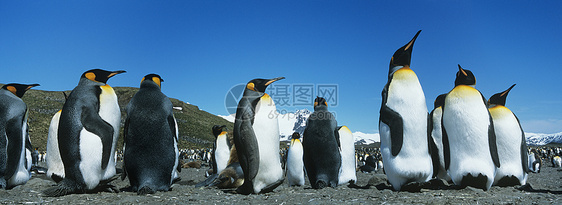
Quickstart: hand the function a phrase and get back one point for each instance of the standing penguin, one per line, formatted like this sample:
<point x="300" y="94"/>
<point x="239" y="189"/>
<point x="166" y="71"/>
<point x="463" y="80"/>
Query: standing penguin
<point x="321" y="144"/>
<point x="150" y="150"/>
<point x="347" y="144"/>
<point x="295" y="164"/>
<point x="14" y="139"/>
<point x="87" y="134"/>
<point x="510" y="138"/>
<point x="221" y="149"/>
<point x="469" y="141"/>
<point x="55" y="167"/>
<point x="256" y="136"/>
<point x="436" y="134"/>
<point x="403" y="124"/>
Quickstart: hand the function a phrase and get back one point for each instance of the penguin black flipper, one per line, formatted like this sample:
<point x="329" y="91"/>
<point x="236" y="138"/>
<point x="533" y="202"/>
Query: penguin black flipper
<point x="95" y="124"/>
<point x="172" y="124"/>
<point x="492" y="138"/>
<point x="244" y="140"/>
<point x="445" y="141"/>
<point x="395" y="123"/>
<point x="13" y="132"/>
<point x="524" y="156"/>
<point x="337" y="134"/>
<point x="433" y="151"/>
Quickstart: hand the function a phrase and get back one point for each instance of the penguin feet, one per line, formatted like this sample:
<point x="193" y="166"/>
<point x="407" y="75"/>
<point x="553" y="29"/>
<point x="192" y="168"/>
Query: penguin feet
<point x="271" y="187"/>
<point x="146" y="190"/>
<point x="65" y="187"/>
<point x="245" y="189"/>
<point x="320" y="184"/>
<point x="413" y="187"/>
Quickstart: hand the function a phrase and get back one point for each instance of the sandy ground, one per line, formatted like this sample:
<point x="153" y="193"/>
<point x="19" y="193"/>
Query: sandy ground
<point x="546" y="189"/>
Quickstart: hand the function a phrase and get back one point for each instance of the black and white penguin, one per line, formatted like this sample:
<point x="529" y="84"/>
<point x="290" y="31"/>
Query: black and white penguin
<point x="469" y="141"/>
<point x="150" y="150"/>
<point x="256" y="136"/>
<point x="403" y="123"/>
<point x="221" y="149"/>
<point x="347" y="152"/>
<point x="295" y="163"/>
<point x="436" y="133"/>
<point x="14" y="138"/>
<point x="321" y="144"/>
<point x="87" y="134"/>
<point x="55" y="167"/>
<point x="510" y="139"/>
<point x="230" y="177"/>
<point x="535" y="162"/>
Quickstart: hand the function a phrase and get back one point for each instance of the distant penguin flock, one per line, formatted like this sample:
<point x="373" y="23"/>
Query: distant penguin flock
<point x="465" y="139"/>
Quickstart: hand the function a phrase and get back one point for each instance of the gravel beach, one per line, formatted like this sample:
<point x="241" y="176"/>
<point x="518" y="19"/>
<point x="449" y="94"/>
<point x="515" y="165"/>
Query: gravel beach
<point x="546" y="188"/>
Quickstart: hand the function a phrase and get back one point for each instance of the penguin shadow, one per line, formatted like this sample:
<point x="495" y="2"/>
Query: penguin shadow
<point x="528" y="188"/>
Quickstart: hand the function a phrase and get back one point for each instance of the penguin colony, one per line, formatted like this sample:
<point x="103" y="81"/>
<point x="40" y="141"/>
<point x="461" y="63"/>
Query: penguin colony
<point x="464" y="139"/>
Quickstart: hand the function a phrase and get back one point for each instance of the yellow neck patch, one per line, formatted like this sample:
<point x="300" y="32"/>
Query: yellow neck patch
<point x="157" y="81"/>
<point x="251" y="86"/>
<point x="91" y="76"/>
<point x="12" y="89"/>
<point x="404" y="73"/>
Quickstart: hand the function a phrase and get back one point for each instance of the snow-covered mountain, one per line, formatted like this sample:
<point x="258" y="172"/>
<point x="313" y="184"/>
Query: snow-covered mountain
<point x="542" y="139"/>
<point x="296" y="122"/>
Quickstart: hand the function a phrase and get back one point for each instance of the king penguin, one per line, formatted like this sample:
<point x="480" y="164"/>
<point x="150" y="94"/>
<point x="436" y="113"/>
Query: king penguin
<point x="55" y="167"/>
<point x="221" y="150"/>
<point x="14" y="138"/>
<point x="510" y="139"/>
<point x="469" y="141"/>
<point x="150" y="150"/>
<point x="347" y="152"/>
<point x="87" y="134"/>
<point x="436" y="134"/>
<point x="321" y="144"/>
<point x="403" y="124"/>
<point x="295" y="164"/>
<point x="256" y="136"/>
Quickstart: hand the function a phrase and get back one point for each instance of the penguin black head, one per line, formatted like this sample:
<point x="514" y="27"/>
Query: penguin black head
<point x="259" y="85"/>
<point x="402" y="56"/>
<point x="296" y="136"/>
<point x="465" y="77"/>
<point x="99" y="75"/>
<point x="439" y="101"/>
<point x="217" y="130"/>
<point x="18" y="89"/>
<point x="153" y="78"/>
<point x="499" y="98"/>
<point x="320" y="102"/>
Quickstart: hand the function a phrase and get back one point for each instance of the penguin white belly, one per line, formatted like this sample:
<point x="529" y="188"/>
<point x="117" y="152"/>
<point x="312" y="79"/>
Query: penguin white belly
<point x="266" y="129"/>
<point x="90" y="147"/>
<point x="413" y="163"/>
<point x="21" y="176"/>
<point x="347" y="170"/>
<point x="295" y="164"/>
<point x="222" y="152"/>
<point x="53" y="159"/>
<point x="466" y="121"/>
<point x="508" y="139"/>
<point x="437" y="136"/>
<point x="110" y="112"/>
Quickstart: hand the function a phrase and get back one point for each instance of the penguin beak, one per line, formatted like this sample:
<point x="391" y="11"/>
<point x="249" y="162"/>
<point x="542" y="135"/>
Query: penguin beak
<point x="115" y="73"/>
<point x="408" y="46"/>
<point x="30" y="86"/>
<point x="462" y="70"/>
<point x="507" y="91"/>
<point x="273" y="80"/>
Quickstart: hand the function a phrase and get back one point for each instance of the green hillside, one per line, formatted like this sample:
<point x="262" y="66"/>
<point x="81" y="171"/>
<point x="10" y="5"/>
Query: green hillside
<point x="194" y="124"/>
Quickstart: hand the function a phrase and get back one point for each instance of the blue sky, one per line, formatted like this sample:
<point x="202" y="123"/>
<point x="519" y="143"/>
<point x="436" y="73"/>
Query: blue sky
<point x="203" y="48"/>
